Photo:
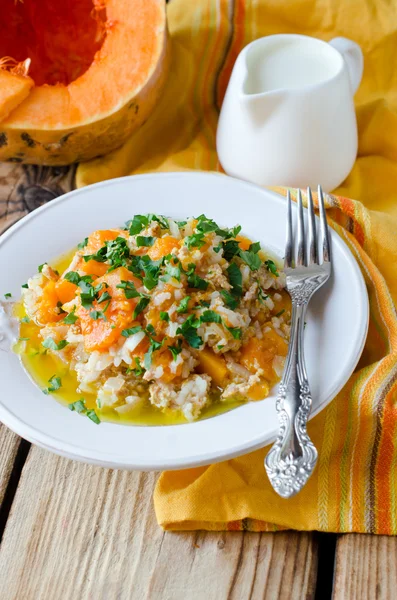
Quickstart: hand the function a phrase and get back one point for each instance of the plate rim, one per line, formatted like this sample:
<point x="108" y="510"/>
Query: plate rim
<point x="73" y="451"/>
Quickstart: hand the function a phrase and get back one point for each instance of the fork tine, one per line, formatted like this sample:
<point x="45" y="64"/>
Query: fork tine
<point x="301" y="254"/>
<point x="324" y="227"/>
<point x="312" y="229"/>
<point x="289" y="241"/>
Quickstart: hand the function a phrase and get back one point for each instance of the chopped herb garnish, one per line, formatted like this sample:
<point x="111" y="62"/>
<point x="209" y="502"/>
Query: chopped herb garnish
<point x="251" y="259"/>
<point x="71" y="318"/>
<point x="271" y="266"/>
<point x="183" y="305"/>
<point x="204" y="303"/>
<point x="210" y="316"/>
<point x="181" y="224"/>
<point x="24" y="339"/>
<point x="150" y="330"/>
<point x="164" y="316"/>
<point x="147" y="359"/>
<point x="138" y="223"/>
<point x="196" y="240"/>
<point x="129" y="289"/>
<point x="142" y="304"/>
<point x="25" y="320"/>
<point x="73" y="277"/>
<point x="230" y="248"/>
<point x="40" y="267"/>
<point x="194" y="281"/>
<point x="25" y="286"/>
<point x="51" y="344"/>
<point x="220" y="346"/>
<point x="188" y="330"/>
<point x="98" y="314"/>
<point x="8" y="295"/>
<point x="103" y="297"/>
<point x="139" y="369"/>
<point x="91" y="414"/>
<point x="255" y="247"/>
<point x="142" y="240"/>
<point x="229" y="299"/>
<point x="131" y="331"/>
<point x="115" y="252"/>
<point x="262" y="296"/>
<point x="280" y="313"/>
<point x="235" y="331"/>
<point x="235" y="279"/>
<point x="171" y="272"/>
<point x="78" y="406"/>
<point x="175" y="350"/>
<point x="55" y="383"/>
<point x="82" y="244"/>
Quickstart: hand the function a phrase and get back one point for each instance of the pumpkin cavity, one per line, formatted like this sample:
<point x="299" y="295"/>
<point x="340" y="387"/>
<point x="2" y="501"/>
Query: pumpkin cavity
<point x="52" y="41"/>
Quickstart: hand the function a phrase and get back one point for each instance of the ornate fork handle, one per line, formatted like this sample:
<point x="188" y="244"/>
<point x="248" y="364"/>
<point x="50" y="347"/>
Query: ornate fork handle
<point x="293" y="456"/>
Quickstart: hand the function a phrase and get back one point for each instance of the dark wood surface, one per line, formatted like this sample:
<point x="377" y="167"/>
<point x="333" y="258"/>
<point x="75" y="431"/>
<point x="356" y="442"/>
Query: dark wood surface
<point x="75" y="531"/>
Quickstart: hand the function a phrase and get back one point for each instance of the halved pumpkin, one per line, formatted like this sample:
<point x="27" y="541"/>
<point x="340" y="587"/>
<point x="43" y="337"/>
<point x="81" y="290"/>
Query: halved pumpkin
<point x="98" y="67"/>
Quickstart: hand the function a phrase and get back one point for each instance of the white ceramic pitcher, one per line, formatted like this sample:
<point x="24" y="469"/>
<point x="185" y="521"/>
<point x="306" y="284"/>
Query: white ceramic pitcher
<point x="288" y="115"/>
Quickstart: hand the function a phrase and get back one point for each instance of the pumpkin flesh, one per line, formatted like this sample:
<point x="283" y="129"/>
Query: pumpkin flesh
<point x="98" y="69"/>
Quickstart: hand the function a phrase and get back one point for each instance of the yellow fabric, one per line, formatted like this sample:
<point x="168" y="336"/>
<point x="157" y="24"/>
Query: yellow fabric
<point x="353" y="488"/>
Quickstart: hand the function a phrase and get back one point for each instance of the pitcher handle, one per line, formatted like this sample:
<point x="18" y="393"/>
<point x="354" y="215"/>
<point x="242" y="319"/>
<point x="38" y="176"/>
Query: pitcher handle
<point x="353" y="57"/>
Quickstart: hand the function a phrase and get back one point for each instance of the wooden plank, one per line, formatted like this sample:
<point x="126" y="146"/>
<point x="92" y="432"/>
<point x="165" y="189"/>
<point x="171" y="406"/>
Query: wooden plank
<point x="77" y="531"/>
<point x="9" y="444"/>
<point x="365" y="567"/>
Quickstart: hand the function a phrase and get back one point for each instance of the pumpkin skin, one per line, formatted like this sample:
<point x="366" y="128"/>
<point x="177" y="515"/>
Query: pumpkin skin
<point x="119" y="77"/>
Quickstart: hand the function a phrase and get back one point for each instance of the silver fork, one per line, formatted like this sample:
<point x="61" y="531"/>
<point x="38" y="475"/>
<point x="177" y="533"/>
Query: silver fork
<point x="292" y="458"/>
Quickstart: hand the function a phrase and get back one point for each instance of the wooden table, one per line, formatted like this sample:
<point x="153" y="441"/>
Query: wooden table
<point x="74" y="531"/>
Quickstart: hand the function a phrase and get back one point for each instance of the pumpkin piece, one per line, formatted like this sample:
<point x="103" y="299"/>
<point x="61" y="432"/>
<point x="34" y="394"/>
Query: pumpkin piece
<point x="13" y="90"/>
<point x="243" y="242"/>
<point x="65" y="290"/>
<point x="48" y="311"/>
<point x="98" y="68"/>
<point x="95" y="242"/>
<point x="259" y="391"/>
<point x="213" y="365"/>
<point x="162" y="247"/>
<point x="100" y="334"/>
<point x="261" y="352"/>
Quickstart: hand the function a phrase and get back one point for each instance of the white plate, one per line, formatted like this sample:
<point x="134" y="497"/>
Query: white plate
<point x="335" y="334"/>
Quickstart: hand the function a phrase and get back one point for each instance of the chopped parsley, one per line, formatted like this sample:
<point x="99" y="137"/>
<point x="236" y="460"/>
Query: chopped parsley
<point x="175" y="350"/>
<point x="280" y="313"/>
<point x="8" y="295"/>
<point x="142" y="240"/>
<point x="73" y="277"/>
<point x="103" y="297"/>
<point x="193" y="280"/>
<point x="235" y="331"/>
<point x="230" y="248"/>
<point x="129" y="289"/>
<point x="71" y="318"/>
<point x="235" y="279"/>
<point x="55" y="383"/>
<point x="80" y="407"/>
<point x="139" y="369"/>
<point x="40" y="267"/>
<point x="170" y="272"/>
<point x="115" y="252"/>
<point x="188" y="330"/>
<point x="210" y="316"/>
<point x="164" y="316"/>
<point x="131" y="331"/>
<point x="147" y="359"/>
<point x="142" y="304"/>
<point x="183" y="305"/>
<point x="51" y="344"/>
<point x="138" y="223"/>
<point x="82" y="244"/>
<point x="271" y="266"/>
<point x="25" y="285"/>
<point x="25" y="320"/>
<point x="229" y="299"/>
<point x="196" y="240"/>
<point x="251" y="259"/>
<point x="24" y="339"/>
